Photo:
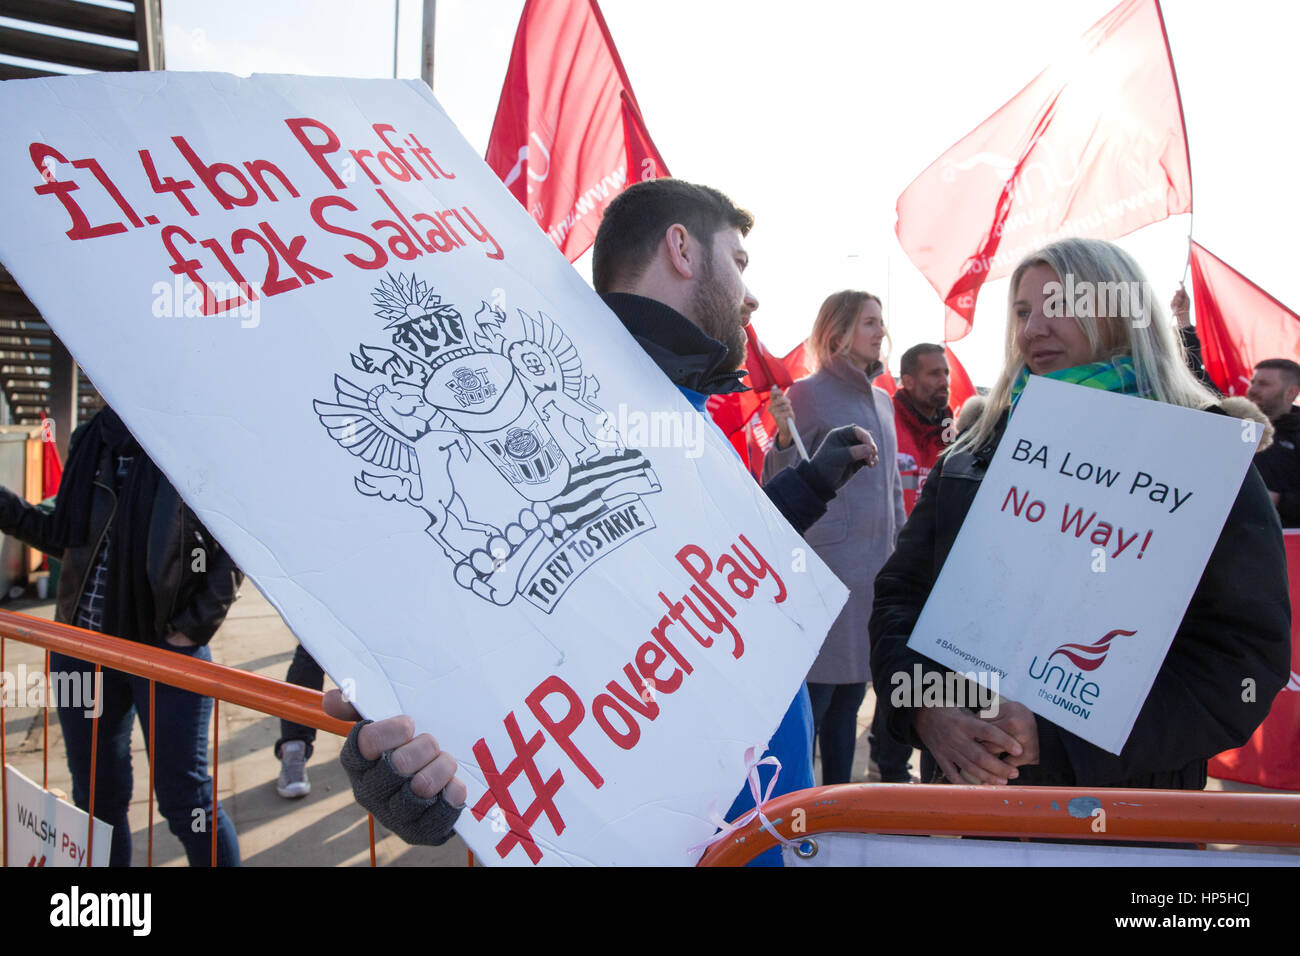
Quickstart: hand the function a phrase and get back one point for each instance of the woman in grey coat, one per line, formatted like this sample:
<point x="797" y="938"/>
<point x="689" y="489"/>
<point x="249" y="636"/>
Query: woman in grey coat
<point x="857" y="533"/>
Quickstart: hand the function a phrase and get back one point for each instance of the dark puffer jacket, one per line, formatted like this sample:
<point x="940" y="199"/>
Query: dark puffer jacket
<point x="1237" y="627"/>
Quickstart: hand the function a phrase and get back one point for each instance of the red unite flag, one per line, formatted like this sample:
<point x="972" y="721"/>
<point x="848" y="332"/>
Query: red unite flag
<point x="1238" y="323"/>
<point x="1094" y="146"/>
<point x="1271" y="758"/>
<point x="568" y="134"/>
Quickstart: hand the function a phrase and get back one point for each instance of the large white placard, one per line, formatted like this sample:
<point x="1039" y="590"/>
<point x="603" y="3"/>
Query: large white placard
<point x="44" y="830"/>
<point x="1081" y="551"/>
<point x="446" y="463"/>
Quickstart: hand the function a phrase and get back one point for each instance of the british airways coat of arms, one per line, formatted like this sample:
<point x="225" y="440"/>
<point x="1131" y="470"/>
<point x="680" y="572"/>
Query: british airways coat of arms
<point x="445" y="397"/>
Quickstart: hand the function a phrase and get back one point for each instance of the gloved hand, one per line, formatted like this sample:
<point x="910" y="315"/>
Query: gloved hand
<point x="842" y="452"/>
<point x="408" y="784"/>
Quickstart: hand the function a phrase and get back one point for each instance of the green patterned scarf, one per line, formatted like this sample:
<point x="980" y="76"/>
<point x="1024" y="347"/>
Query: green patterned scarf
<point x="1117" y="375"/>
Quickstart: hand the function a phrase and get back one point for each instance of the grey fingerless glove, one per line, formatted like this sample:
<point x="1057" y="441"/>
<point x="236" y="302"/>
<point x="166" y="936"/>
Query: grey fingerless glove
<point x="388" y="795"/>
<point x="833" y="463"/>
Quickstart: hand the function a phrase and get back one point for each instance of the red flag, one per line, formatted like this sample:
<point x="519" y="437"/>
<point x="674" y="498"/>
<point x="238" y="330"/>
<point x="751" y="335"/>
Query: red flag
<point x="1271" y="758"/>
<point x="796" y="361"/>
<point x="568" y="134"/>
<point x="765" y="369"/>
<point x="1093" y="146"/>
<point x="743" y="416"/>
<point x="959" y="383"/>
<point x="51" y="467"/>
<point x="1238" y="323"/>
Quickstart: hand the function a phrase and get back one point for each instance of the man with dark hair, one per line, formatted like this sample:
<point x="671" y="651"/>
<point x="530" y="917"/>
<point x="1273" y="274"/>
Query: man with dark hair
<point x="921" y="416"/>
<point x="669" y="262"/>
<point x="634" y="223"/>
<point x="704" y="291"/>
<point x="1274" y="388"/>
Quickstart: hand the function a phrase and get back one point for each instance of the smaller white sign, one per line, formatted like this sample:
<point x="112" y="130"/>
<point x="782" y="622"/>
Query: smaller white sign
<point x="1081" y="551"/>
<point x="46" y="831"/>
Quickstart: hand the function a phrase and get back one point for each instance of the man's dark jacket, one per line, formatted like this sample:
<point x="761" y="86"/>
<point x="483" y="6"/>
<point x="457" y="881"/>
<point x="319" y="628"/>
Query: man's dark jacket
<point x="693" y="360"/>
<point x="1279" y="463"/>
<point x="193" y="602"/>
<point x="1279" y="466"/>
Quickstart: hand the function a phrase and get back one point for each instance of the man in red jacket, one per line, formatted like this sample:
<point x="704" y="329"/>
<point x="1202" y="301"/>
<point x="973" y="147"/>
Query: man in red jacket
<point x="921" y="416"/>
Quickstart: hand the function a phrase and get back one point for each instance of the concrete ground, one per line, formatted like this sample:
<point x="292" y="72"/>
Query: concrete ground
<point x="325" y="828"/>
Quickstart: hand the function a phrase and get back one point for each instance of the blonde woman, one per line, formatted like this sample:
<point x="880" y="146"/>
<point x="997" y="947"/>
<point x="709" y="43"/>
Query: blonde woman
<point x="857" y="533"/>
<point x="1236" y="627"/>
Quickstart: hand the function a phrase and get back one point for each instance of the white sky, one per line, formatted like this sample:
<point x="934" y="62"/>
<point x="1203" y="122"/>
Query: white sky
<point x="816" y="115"/>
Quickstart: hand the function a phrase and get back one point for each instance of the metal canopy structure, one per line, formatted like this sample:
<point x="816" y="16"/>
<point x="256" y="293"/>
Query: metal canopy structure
<point x="37" y="373"/>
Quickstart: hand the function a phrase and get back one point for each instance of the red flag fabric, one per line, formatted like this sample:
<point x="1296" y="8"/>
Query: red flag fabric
<point x="51" y="467"/>
<point x="796" y="361"/>
<point x="765" y="369"/>
<point x="1093" y="146"/>
<point x="959" y="383"/>
<point x="743" y="416"/>
<point x="1271" y="758"/>
<point x="568" y="134"/>
<point x="1238" y="323"/>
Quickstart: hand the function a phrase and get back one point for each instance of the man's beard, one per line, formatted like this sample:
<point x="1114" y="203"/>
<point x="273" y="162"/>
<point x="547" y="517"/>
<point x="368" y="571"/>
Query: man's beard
<point x="720" y="318"/>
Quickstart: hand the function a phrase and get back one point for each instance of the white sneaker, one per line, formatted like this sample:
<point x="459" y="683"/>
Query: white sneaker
<point x="293" y="771"/>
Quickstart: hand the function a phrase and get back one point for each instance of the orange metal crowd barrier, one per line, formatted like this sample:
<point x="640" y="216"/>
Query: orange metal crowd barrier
<point x="1027" y="812"/>
<point x="275" y="698"/>
<point x="1155" y="816"/>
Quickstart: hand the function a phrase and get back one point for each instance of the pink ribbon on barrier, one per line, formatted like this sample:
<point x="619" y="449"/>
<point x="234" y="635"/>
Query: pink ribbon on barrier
<point x="726" y="829"/>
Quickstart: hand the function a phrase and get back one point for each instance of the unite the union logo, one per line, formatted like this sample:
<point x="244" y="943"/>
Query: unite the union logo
<point x="1067" y="687"/>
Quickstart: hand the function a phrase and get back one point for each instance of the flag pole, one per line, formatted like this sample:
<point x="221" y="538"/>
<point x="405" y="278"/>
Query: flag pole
<point x="426" y="55"/>
<point x="397" y="19"/>
<point x="798" y="442"/>
<point x="1182" y="119"/>
<point x="1191" y="217"/>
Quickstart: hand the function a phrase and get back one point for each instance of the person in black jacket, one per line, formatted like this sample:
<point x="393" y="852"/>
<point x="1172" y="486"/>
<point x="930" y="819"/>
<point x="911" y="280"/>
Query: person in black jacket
<point x="137" y="564"/>
<point x="1274" y="388"/>
<point x="1236" y="628"/>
